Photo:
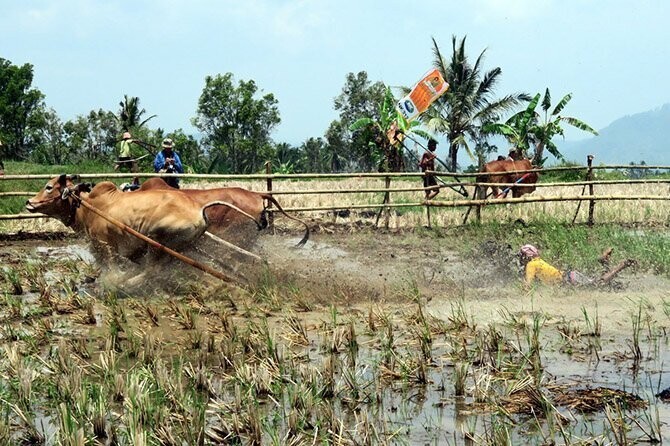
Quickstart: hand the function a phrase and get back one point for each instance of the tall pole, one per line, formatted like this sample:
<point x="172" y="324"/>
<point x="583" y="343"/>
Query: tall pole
<point x="271" y="217"/>
<point x="589" y="177"/>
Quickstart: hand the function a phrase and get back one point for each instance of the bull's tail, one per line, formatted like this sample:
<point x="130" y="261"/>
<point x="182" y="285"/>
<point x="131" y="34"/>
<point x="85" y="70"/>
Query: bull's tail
<point x="231" y="206"/>
<point x="272" y="200"/>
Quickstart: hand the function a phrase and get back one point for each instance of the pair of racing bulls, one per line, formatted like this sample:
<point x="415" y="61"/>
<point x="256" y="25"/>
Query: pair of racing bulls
<point x="504" y="172"/>
<point x="175" y="218"/>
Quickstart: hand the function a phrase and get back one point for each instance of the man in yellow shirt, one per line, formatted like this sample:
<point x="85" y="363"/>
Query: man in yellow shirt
<point x="536" y="268"/>
<point x="126" y="160"/>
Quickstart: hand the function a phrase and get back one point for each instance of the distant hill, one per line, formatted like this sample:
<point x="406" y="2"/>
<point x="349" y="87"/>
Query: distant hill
<point x="640" y="137"/>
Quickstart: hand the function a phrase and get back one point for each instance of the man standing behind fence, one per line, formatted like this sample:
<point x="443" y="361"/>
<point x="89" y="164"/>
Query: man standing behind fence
<point x="126" y="161"/>
<point x="168" y="161"/>
<point x="427" y="163"/>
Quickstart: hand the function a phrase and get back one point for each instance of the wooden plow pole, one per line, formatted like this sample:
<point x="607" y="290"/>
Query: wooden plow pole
<point x="155" y="244"/>
<point x="385" y="209"/>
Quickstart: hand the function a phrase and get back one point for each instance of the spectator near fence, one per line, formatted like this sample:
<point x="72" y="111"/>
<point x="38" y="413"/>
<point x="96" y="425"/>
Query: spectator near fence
<point x="168" y="161"/>
<point x="427" y="163"/>
<point x="126" y="162"/>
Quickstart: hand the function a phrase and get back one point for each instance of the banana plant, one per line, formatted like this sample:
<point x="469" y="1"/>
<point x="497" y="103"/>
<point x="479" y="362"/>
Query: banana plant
<point x="518" y="128"/>
<point x="529" y="127"/>
<point x="550" y="126"/>
<point x="390" y="130"/>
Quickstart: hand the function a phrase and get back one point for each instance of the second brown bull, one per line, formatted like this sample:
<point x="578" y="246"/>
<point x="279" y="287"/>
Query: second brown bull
<point x="245" y="204"/>
<point x="502" y="172"/>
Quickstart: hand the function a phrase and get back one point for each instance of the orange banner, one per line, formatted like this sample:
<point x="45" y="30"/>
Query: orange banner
<point x="424" y="93"/>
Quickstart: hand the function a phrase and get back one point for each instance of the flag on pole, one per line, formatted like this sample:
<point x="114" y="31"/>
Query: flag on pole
<point x="424" y="93"/>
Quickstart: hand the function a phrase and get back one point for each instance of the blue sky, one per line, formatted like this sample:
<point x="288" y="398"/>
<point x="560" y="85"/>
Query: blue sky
<point x="612" y="55"/>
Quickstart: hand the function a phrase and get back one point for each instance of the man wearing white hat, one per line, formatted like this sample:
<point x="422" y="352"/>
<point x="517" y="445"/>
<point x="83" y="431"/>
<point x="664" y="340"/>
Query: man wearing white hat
<point x="168" y="161"/>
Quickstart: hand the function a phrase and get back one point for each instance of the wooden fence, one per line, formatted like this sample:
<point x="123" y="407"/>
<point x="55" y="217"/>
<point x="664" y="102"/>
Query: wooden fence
<point x="465" y="181"/>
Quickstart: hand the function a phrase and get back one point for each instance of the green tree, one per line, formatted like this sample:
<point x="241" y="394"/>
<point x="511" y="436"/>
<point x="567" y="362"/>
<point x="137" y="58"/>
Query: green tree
<point x="92" y="137"/>
<point x="518" y="129"/>
<point x="549" y="125"/>
<point x="313" y="155"/>
<point x="388" y="129"/>
<point x="528" y="128"/>
<point x="470" y="103"/>
<point x="18" y="103"/>
<point x="48" y="136"/>
<point x="236" y="125"/>
<point x="360" y="98"/>
<point x="286" y="158"/>
<point x="130" y="114"/>
<point x="336" y="147"/>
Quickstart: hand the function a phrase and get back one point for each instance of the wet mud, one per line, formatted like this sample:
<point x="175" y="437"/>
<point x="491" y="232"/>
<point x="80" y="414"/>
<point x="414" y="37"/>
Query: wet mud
<point x="361" y="274"/>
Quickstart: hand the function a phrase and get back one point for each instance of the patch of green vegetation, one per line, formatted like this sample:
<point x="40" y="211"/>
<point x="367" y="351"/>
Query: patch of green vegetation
<point x="576" y="246"/>
<point x="14" y="205"/>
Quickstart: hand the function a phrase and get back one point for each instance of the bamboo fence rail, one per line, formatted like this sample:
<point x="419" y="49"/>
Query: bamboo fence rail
<point x="416" y="189"/>
<point x="276" y="176"/>
<point x="386" y="204"/>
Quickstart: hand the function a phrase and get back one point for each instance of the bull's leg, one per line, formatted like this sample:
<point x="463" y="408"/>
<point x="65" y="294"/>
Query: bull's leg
<point x="481" y="192"/>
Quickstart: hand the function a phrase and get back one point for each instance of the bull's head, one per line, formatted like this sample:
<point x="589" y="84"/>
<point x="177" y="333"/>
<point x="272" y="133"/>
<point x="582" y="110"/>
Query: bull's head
<point x="54" y="199"/>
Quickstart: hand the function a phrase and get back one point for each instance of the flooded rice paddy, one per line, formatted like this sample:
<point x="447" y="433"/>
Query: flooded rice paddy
<point x="351" y="340"/>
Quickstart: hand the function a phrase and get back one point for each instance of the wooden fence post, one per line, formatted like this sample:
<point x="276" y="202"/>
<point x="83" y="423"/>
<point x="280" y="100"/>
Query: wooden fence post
<point x="478" y="209"/>
<point x="387" y="200"/>
<point x="589" y="177"/>
<point x="428" y="214"/>
<point x="271" y="217"/>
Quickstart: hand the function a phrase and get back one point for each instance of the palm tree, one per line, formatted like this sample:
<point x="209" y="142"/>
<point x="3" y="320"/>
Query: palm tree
<point x="130" y="114"/>
<point x="462" y="112"/>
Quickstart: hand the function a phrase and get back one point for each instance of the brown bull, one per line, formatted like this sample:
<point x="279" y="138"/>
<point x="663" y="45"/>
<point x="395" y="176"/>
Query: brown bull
<point x="244" y="204"/>
<point x="171" y="219"/>
<point x="498" y="172"/>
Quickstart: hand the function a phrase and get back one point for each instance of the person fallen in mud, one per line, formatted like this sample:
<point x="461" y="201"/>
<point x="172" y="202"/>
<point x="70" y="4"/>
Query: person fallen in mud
<point x="537" y="269"/>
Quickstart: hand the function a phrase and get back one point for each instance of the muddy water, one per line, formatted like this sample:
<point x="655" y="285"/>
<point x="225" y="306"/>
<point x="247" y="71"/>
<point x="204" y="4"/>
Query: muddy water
<point x="356" y="274"/>
<point x="487" y="296"/>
